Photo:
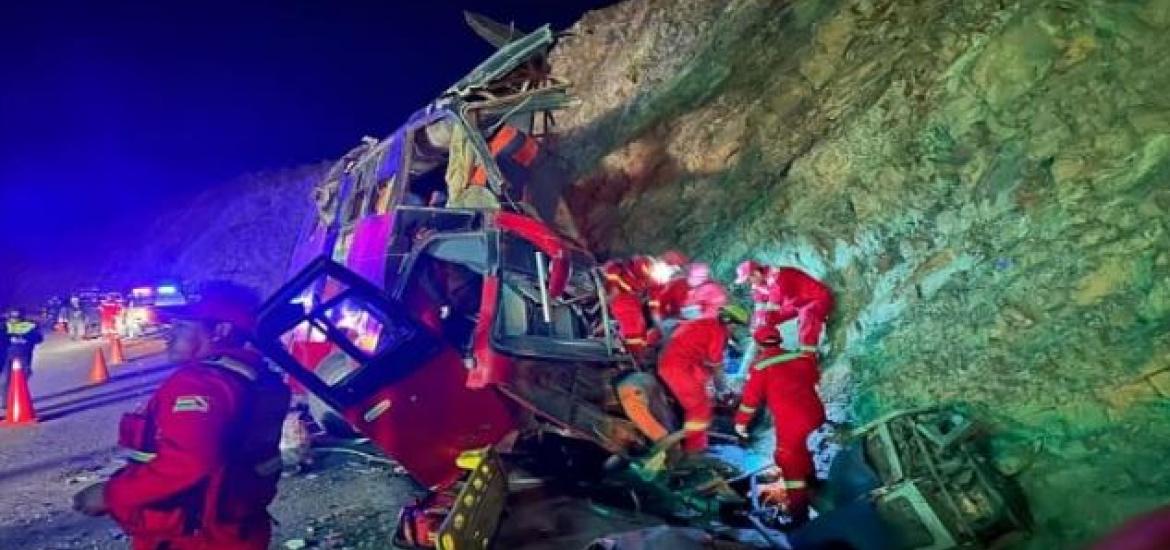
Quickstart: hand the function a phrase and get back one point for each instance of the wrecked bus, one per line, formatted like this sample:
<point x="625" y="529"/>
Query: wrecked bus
<point x="438" y="314"/>
<point x="437" y="309"/>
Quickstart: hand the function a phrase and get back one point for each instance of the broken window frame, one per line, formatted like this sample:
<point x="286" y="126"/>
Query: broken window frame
<point x="424" y="248"/>
<point x="385" y="365"/>
<point x="579" y="348"/>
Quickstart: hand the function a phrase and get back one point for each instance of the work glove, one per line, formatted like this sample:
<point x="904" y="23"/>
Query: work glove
<point x="91" y="500"/>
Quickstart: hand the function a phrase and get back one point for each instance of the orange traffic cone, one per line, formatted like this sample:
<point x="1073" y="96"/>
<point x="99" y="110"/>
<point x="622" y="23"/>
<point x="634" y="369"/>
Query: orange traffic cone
<point x="20" y="407"/>
<point x="116" y="355"/>
<point x="99" y="373"/>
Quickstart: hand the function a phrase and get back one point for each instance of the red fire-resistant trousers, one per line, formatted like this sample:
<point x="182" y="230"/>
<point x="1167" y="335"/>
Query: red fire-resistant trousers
<point x="689" y="385"/>
<point x="789" y="391"/>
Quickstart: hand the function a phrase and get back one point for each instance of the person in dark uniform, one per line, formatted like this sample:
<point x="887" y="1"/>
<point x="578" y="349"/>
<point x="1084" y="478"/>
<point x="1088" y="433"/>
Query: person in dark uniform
<point x="20" y="337"/>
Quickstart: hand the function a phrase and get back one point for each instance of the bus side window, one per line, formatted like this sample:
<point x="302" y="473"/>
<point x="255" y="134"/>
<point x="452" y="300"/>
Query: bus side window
<point x="383" y="193"/>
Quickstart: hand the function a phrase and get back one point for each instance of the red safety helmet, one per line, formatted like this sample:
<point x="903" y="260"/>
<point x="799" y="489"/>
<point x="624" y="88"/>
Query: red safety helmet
<point x="767" y="336"/>
<point x="745" y="269"/>
<point x="674" y="258"/>
<point x="698" y="273"/>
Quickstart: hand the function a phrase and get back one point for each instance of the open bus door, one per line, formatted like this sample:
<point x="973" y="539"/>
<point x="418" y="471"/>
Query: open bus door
<point x="404" y="386"/>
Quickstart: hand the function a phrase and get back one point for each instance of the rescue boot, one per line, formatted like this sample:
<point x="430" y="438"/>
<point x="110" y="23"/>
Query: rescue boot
<point x="785" y="503"/>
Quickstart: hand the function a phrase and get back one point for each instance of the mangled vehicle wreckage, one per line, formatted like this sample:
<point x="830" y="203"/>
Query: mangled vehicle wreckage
<point x="438" y="312"/>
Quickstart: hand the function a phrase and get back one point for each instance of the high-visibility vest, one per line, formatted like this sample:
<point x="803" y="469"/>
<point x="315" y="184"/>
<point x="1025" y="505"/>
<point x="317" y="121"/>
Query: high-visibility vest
<point x="21" y="333"/>
<point x="20" y="327"/>
<point x="511" y="145"/>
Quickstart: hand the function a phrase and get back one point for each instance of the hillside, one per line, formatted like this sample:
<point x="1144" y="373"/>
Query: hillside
<point x="242" y="229"/>
<point x="986" y="186"/>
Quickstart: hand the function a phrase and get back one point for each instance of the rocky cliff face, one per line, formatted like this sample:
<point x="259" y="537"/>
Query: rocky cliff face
<point x="985" y="184"/>
<point x="244" y="230"/>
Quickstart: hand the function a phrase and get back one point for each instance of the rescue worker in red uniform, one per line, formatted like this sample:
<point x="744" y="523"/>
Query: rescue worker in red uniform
<point x="705" y="296"/>
<point x="787" y="383"/>
<point x="665" y="292"/>
<point x="783" y="293"/>
<point x="689" y="365"/>
<point x="793" y="293"/>
<point x="625" y="304"/>
<point x="206" y="445"/>
<point x="108" y="311"/>
<point x="755" y="275"/>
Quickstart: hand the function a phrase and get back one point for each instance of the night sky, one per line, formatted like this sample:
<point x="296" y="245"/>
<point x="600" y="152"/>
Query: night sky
<point x="110" y="111"/>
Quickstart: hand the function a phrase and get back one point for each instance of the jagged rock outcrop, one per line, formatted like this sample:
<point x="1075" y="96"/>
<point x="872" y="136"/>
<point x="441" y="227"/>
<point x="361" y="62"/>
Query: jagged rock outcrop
<point x="986" y="184"/>
<point x="243" y="229"/>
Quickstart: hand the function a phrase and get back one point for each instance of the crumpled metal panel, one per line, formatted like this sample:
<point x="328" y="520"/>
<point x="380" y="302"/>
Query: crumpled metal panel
<point x="503" y="61"/>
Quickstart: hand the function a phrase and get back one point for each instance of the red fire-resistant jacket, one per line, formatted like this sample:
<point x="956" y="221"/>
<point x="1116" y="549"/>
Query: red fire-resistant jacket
<point x="627" y="310"/>
<point x="760" y="294"/>
<point x="687" y="365"/>
<point x="666" y="300"/>
<point x="108" y="312"/>
<point x="793" y="293"/>
<point x="787" y="383"/>
<point x="210" y="460"/>
<point x="788" y="387"/>
<point x="625" y="304"/>
<point x="695" y="348"/>
<point x="790" y="289"/>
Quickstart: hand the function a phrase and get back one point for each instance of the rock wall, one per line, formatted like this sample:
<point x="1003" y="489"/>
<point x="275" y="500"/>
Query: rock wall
<point x="985" y="184"/>
<point x="243" y="230"/>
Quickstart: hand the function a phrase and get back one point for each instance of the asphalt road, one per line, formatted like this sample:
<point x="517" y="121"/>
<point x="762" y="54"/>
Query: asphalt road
<point x="42" y="465"/>
<point x="344" y="502"/>
<point x="74" y="444"/>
